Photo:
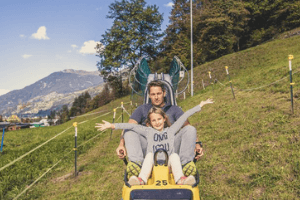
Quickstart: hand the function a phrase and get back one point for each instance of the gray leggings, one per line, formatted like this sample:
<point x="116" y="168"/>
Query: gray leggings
<point x="184" y="144"/>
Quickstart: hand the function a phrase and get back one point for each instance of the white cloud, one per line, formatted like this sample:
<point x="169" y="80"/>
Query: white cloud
<point x="40" y="34"/>
<point x="89" y="47"/>
<point x="74" y="46"/>
<point x="26" y="56"/>
<point x="22" y="36"/>
<point x="100" y="8"/>
<point x="69" y="51"/>
<point x="3" y="91"/>
<point x="170" y="4"/>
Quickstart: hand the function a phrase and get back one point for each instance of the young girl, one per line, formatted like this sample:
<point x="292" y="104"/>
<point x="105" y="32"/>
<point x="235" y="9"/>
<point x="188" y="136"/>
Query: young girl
<point x="159" y="135"/>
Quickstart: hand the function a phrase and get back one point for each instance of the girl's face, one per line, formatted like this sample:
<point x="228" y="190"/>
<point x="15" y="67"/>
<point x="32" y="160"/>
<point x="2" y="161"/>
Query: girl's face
<point x="157" y="121"/>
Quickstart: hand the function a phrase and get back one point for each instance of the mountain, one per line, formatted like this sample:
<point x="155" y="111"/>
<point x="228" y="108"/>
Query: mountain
<point x="51" y="92"/>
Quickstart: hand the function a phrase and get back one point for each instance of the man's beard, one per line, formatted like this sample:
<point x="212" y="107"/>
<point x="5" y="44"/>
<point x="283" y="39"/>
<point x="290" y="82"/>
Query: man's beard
<point x="160" y="105"/>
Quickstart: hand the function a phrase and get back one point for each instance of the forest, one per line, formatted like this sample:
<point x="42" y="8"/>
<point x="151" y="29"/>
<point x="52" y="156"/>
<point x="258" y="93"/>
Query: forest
<point x="220" y="27"/>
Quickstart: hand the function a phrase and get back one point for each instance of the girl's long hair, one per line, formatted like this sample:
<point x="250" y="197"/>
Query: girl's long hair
<point x="158" y="111"/>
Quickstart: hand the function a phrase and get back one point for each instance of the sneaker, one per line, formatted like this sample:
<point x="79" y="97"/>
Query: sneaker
<point x="181" y="180"/>
<point x="189" y="169"/>
<point x="136" y="181"/>
<point x="190" y="180"/>
<point x="133" y="169"/>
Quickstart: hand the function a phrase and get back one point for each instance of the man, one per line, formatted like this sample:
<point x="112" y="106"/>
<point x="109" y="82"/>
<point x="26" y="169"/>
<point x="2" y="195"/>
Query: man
<point x="136" y="145"/>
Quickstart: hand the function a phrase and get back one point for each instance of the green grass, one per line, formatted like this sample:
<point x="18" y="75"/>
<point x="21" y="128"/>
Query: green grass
<point x="251" y="148"/>
<point x="251" y="143"/>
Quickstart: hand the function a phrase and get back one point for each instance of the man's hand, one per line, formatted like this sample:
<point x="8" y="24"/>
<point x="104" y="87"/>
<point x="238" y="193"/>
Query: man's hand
<point x="199" y="151"/>
<point x="121" y="151"/>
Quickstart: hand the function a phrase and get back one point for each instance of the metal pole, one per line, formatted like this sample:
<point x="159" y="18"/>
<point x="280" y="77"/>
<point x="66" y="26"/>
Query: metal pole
<point x="113" y="122"/>
<point x="75" y="148"/>
<point x="192" y="73"/>
<point x="291" y="57"/>
<point x="230" y="81"/>
<point x="2" y="140"/>
<point x="130" y="107"/>
<point x="122" y="111"/>
<point x="209" y="73"/>
<point x="131" y="99"/>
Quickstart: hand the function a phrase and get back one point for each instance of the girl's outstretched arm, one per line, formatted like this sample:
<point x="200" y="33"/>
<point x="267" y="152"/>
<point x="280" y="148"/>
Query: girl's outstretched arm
<point x="139" y="129"/>
<point x="105" y="125"/>
<point x="142" y="130"/>
<point x="178" y="124"/>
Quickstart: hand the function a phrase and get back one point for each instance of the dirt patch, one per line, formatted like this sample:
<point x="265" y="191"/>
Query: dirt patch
<point x="257" y="193"/>
<point x="62" y="178"/>
<point x="294" y="139"/>
<point x="69" y="176"/>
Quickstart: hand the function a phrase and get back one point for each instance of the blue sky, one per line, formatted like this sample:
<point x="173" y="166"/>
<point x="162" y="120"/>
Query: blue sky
<point x="39" y="37"/>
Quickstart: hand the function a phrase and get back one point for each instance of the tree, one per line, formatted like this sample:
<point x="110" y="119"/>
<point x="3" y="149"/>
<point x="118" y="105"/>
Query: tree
<point x="269" y="18"/>
<point x="178" y="23"/>
<point x="104" y="97"/>
<point x="80" y="104"/>
<point x="177" y="40"/>
<point x="219" y="28"/>
<point x="135" y="33"/>
<point x="52" y="114"/>
<point x="64" y="114"/>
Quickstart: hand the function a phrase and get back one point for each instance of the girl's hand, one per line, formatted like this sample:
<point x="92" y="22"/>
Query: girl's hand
<point x="102" y="127"/>
<point x="202" y="103"/>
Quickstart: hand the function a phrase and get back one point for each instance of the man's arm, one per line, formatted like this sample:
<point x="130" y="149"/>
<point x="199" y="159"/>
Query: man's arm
<point x="121" y="150"/>
<point x="198" y="148"/>
<point x="177" y="125"/>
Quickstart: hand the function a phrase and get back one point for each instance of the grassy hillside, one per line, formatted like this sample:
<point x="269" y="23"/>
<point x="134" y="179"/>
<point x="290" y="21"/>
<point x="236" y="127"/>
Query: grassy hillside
<point x="251" y="142"/>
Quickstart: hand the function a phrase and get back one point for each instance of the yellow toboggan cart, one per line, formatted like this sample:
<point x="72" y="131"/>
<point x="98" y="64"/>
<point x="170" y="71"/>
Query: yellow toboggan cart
<point x="160" y="185"/>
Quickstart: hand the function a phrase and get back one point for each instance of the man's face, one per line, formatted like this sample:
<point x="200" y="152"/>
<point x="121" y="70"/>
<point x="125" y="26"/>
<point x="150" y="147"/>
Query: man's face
<point x="157" y="95"/>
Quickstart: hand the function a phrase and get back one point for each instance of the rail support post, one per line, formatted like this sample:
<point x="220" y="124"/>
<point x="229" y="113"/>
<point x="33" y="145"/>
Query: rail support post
<point x="122" y="106"/>
<point x="75" y="148"/>
<point x="211" y="82"/>
<point x="291" y="57"/>
<point x="230" y="81"/>
<point x="113" y="122"/>
<point x="2" y="140"/>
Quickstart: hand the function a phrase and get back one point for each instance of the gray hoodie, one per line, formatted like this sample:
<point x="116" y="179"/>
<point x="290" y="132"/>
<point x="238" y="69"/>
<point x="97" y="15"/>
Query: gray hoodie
<point x="159" y="139"/>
